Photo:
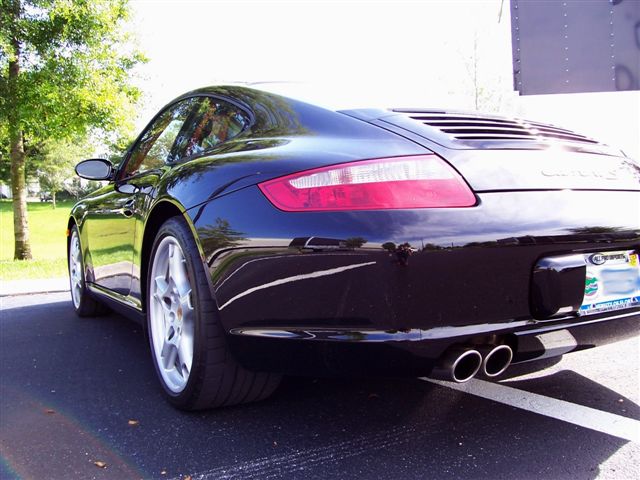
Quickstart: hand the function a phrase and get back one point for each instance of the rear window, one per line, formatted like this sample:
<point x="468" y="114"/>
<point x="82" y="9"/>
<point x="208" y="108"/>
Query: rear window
<point x="215" y="122"/>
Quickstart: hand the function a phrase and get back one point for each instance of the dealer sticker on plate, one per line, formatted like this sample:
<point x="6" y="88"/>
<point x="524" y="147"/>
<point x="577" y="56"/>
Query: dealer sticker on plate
<point x="612" y="282"/>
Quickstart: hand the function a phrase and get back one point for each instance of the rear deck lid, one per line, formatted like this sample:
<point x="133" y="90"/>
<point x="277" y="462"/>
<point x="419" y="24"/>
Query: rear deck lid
<point x="500" y="153"/>
<point x="551" y="169"/>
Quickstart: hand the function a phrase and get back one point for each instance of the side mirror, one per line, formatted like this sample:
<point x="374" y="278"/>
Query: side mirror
<point x="95" y="169"/>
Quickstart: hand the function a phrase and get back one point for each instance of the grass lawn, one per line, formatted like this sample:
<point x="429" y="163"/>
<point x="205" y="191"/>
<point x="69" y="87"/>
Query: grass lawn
<point x="47" y="227"/>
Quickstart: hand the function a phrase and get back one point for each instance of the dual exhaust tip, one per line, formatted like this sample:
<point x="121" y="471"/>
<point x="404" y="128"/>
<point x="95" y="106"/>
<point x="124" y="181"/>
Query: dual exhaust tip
<point x="462" y="364"/>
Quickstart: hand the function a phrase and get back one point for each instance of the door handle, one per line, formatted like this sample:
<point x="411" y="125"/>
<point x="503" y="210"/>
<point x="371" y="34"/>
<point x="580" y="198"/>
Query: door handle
<point x="127" y="208"/>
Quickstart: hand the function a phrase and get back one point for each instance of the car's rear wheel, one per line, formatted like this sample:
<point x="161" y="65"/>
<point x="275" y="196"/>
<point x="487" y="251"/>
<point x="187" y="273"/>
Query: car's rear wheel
<point x="83" y="303"/>
<point x="188" y="345"/>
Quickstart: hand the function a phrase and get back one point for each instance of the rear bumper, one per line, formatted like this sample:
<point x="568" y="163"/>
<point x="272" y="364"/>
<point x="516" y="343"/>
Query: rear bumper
<point x="570" y="335"/>
<point x="387" y="292"/>
<point x="416" y="352"/>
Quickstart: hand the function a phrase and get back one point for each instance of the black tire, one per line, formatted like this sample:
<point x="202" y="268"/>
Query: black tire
<point x="215" y="378"/>
<point x="84" y="305"/>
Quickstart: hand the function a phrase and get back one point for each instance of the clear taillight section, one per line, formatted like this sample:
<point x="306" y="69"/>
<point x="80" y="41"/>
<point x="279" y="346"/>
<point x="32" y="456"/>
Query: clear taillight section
<point x="423" y="181"/>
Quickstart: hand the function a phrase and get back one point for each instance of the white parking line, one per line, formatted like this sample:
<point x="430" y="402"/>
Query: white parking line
<point x="604" y="422"/>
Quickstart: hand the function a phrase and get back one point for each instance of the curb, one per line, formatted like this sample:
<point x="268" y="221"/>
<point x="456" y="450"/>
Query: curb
<point x="10" y="288"/>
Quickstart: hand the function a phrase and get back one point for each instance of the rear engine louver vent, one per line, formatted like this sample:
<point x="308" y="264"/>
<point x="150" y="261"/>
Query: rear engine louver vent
<point x="470" y="127"/>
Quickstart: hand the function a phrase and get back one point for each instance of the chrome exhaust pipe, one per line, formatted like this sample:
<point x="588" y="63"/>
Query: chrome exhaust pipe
<point x="497" y="360"/>
<point x="458" y="365"/>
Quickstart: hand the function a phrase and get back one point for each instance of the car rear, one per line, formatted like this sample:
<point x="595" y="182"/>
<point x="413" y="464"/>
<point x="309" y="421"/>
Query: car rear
<point x="503" y="233"/>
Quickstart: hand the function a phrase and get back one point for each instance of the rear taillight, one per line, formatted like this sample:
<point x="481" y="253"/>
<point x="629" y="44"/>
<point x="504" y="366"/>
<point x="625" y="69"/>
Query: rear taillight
<point x="423" y="181"/>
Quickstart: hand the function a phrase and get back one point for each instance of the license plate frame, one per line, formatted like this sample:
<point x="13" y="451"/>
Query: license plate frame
<point x="612" y="282"/>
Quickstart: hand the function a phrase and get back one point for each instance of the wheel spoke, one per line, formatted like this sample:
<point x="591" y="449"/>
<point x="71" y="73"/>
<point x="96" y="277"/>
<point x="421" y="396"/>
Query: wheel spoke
<point x="76" y="252"/>
<point x="162" y="287"/>
<point x="184" y="362"/>
<point x="169" y="355"/>
<point x="185" y="300"/>
<point x="178" y="272"/>
<point x="164" y="261"/>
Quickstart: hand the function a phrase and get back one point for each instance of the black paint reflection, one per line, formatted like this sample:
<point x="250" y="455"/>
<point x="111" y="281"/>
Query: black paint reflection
<point x="403" y="252"/>
<point x="416" y="269"/>
<point x="219" y="236"/>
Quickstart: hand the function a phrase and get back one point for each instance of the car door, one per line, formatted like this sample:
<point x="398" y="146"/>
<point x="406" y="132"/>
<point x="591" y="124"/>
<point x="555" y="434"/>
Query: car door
<point x="119" y="210"/>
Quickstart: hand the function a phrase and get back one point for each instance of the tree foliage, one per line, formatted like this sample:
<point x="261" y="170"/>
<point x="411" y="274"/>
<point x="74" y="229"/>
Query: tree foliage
<point x="56" y="168"/>
<point x="75" y="66"/>
<point x="65" y="70"/>
<point x="219" y="236"/>
<point x="5" y="159"/>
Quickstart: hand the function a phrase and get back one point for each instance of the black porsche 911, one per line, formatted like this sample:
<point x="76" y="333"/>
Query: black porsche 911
<point x="256" y="236"/>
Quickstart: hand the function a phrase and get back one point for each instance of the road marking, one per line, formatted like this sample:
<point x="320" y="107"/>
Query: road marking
<point x="591" y="418"/>
<point x="296" y="278"/>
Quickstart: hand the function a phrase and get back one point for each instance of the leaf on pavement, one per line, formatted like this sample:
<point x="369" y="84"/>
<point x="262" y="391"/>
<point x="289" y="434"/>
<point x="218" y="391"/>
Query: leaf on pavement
<point x="100" y="464"/>
<point x="133" y="422"/>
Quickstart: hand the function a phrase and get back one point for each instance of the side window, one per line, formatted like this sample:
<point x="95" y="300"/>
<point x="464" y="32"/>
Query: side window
<point x="216" y="121"/>
<point x="160" y="144"/>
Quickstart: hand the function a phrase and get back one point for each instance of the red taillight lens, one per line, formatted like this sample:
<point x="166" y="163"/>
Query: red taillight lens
<point x="423" y="181"/>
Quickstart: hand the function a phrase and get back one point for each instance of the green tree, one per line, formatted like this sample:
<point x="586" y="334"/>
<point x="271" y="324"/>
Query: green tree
<point x="65" y="68"/>
<point x="355" y="242"/>
<point x="219" y="236"/>
<point x="57" y="165"/>
<point x="5" y="161"/>
<point x="389" y="246"/>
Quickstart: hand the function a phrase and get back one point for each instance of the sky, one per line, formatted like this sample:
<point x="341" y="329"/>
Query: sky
<point x="349" y="54"/>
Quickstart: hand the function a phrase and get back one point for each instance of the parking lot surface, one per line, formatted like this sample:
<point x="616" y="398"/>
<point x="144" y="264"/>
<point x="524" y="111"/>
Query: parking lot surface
<point x="79" y="399"/>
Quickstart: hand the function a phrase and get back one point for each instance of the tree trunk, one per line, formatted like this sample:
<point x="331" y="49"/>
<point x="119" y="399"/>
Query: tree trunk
<point x="19" y="191"/>
<point x="18" y="179"/>
<point x="53" y="198"/>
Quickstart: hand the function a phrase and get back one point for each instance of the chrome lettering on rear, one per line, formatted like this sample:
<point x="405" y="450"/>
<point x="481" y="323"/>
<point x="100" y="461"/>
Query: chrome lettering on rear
<point x="562" y="172"/>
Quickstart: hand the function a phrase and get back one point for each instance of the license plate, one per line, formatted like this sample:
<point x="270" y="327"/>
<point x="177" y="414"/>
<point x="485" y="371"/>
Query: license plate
<point x="612" y="282"/>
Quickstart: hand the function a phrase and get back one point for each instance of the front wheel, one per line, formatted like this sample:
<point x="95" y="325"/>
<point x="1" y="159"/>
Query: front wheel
<point x="83" y="303"/>
<point x="188" y="345"/>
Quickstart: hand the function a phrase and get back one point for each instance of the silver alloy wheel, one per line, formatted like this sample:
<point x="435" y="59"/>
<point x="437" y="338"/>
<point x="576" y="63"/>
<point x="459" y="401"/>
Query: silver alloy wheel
<point x="171" y="315"/>
<point x="75" y="269"/>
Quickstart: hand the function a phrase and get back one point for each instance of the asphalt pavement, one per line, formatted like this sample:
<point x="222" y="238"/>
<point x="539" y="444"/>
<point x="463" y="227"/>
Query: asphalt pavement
<point x="78" y="399"/>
